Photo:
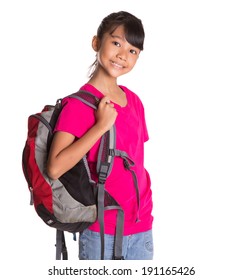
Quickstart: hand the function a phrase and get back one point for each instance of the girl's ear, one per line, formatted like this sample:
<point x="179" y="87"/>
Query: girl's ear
<point x="95" y="43"/>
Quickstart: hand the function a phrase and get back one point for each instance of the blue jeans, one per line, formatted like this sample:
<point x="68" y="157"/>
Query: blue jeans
<point x="135" y="247"/>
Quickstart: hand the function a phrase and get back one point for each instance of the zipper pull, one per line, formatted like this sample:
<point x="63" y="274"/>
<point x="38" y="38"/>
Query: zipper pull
<point x="31" y="196"/>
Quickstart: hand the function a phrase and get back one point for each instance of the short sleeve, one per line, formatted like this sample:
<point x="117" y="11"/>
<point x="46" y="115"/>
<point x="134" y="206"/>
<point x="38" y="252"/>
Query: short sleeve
<point x="146" y="134"/>
<point x="75" y="118"/>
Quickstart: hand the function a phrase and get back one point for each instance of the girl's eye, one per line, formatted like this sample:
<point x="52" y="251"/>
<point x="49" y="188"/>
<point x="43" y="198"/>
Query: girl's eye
<point x="116" y="44"/>
<point x="133" y="51"/>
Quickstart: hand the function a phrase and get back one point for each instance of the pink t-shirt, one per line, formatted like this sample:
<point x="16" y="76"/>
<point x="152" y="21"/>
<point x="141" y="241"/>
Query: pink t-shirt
<point x="131" y="133"/>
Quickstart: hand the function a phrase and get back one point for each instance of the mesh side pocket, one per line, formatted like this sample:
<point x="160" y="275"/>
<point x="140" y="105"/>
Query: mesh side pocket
<point x="68" y="210"/>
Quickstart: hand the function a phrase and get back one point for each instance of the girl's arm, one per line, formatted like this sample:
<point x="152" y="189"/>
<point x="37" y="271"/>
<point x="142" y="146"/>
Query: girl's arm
<point x="66" y="153"/>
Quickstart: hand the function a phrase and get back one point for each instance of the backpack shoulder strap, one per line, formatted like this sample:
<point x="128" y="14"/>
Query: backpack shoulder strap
<point x="104" y="166"/>
<point x="61" y="250"/>
<point x="86" y="97"/>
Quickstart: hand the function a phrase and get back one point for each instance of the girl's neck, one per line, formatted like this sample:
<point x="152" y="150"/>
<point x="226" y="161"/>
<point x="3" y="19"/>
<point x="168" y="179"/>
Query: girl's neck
<point x="110" y="88"/>
<point x="106" y="84"/>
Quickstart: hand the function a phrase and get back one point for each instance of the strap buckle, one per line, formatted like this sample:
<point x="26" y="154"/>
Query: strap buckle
<point x="103" y="173"/>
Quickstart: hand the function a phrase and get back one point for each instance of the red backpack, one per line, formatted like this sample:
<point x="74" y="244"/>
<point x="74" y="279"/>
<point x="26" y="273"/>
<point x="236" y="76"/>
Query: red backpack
<point x="74" y="201"/>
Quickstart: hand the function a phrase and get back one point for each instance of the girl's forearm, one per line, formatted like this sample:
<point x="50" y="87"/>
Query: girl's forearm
<point x="68" y="157"/>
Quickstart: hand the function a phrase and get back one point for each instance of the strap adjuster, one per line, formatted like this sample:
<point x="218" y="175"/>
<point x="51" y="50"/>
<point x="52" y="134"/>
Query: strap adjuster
<point x="103" y="173"/>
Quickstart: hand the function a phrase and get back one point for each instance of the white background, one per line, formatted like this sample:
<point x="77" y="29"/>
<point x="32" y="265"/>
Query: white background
<point x="189" y="79"/>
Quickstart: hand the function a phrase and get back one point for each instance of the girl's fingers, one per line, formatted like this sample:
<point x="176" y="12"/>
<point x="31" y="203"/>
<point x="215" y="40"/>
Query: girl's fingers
<point x="106" y="101"/>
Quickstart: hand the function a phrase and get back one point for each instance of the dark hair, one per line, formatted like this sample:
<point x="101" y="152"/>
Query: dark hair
<point x="133" y="28"/>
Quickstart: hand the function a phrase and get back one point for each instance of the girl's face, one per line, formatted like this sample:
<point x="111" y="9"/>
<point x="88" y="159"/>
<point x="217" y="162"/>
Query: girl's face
<point x="114" y="54"/>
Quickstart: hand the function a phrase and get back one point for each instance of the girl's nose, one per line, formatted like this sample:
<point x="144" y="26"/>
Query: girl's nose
<point x="121" y="55"/>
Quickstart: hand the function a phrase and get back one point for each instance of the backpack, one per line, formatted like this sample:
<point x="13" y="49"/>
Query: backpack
<point x="74" y="201"/>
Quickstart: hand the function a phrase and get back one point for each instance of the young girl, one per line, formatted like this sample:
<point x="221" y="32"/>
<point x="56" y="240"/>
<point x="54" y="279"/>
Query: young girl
<point x="118" y="43"/>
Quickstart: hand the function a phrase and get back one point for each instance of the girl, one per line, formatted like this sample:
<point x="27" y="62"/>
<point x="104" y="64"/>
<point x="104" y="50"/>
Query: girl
<point x="118" y="43"/>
